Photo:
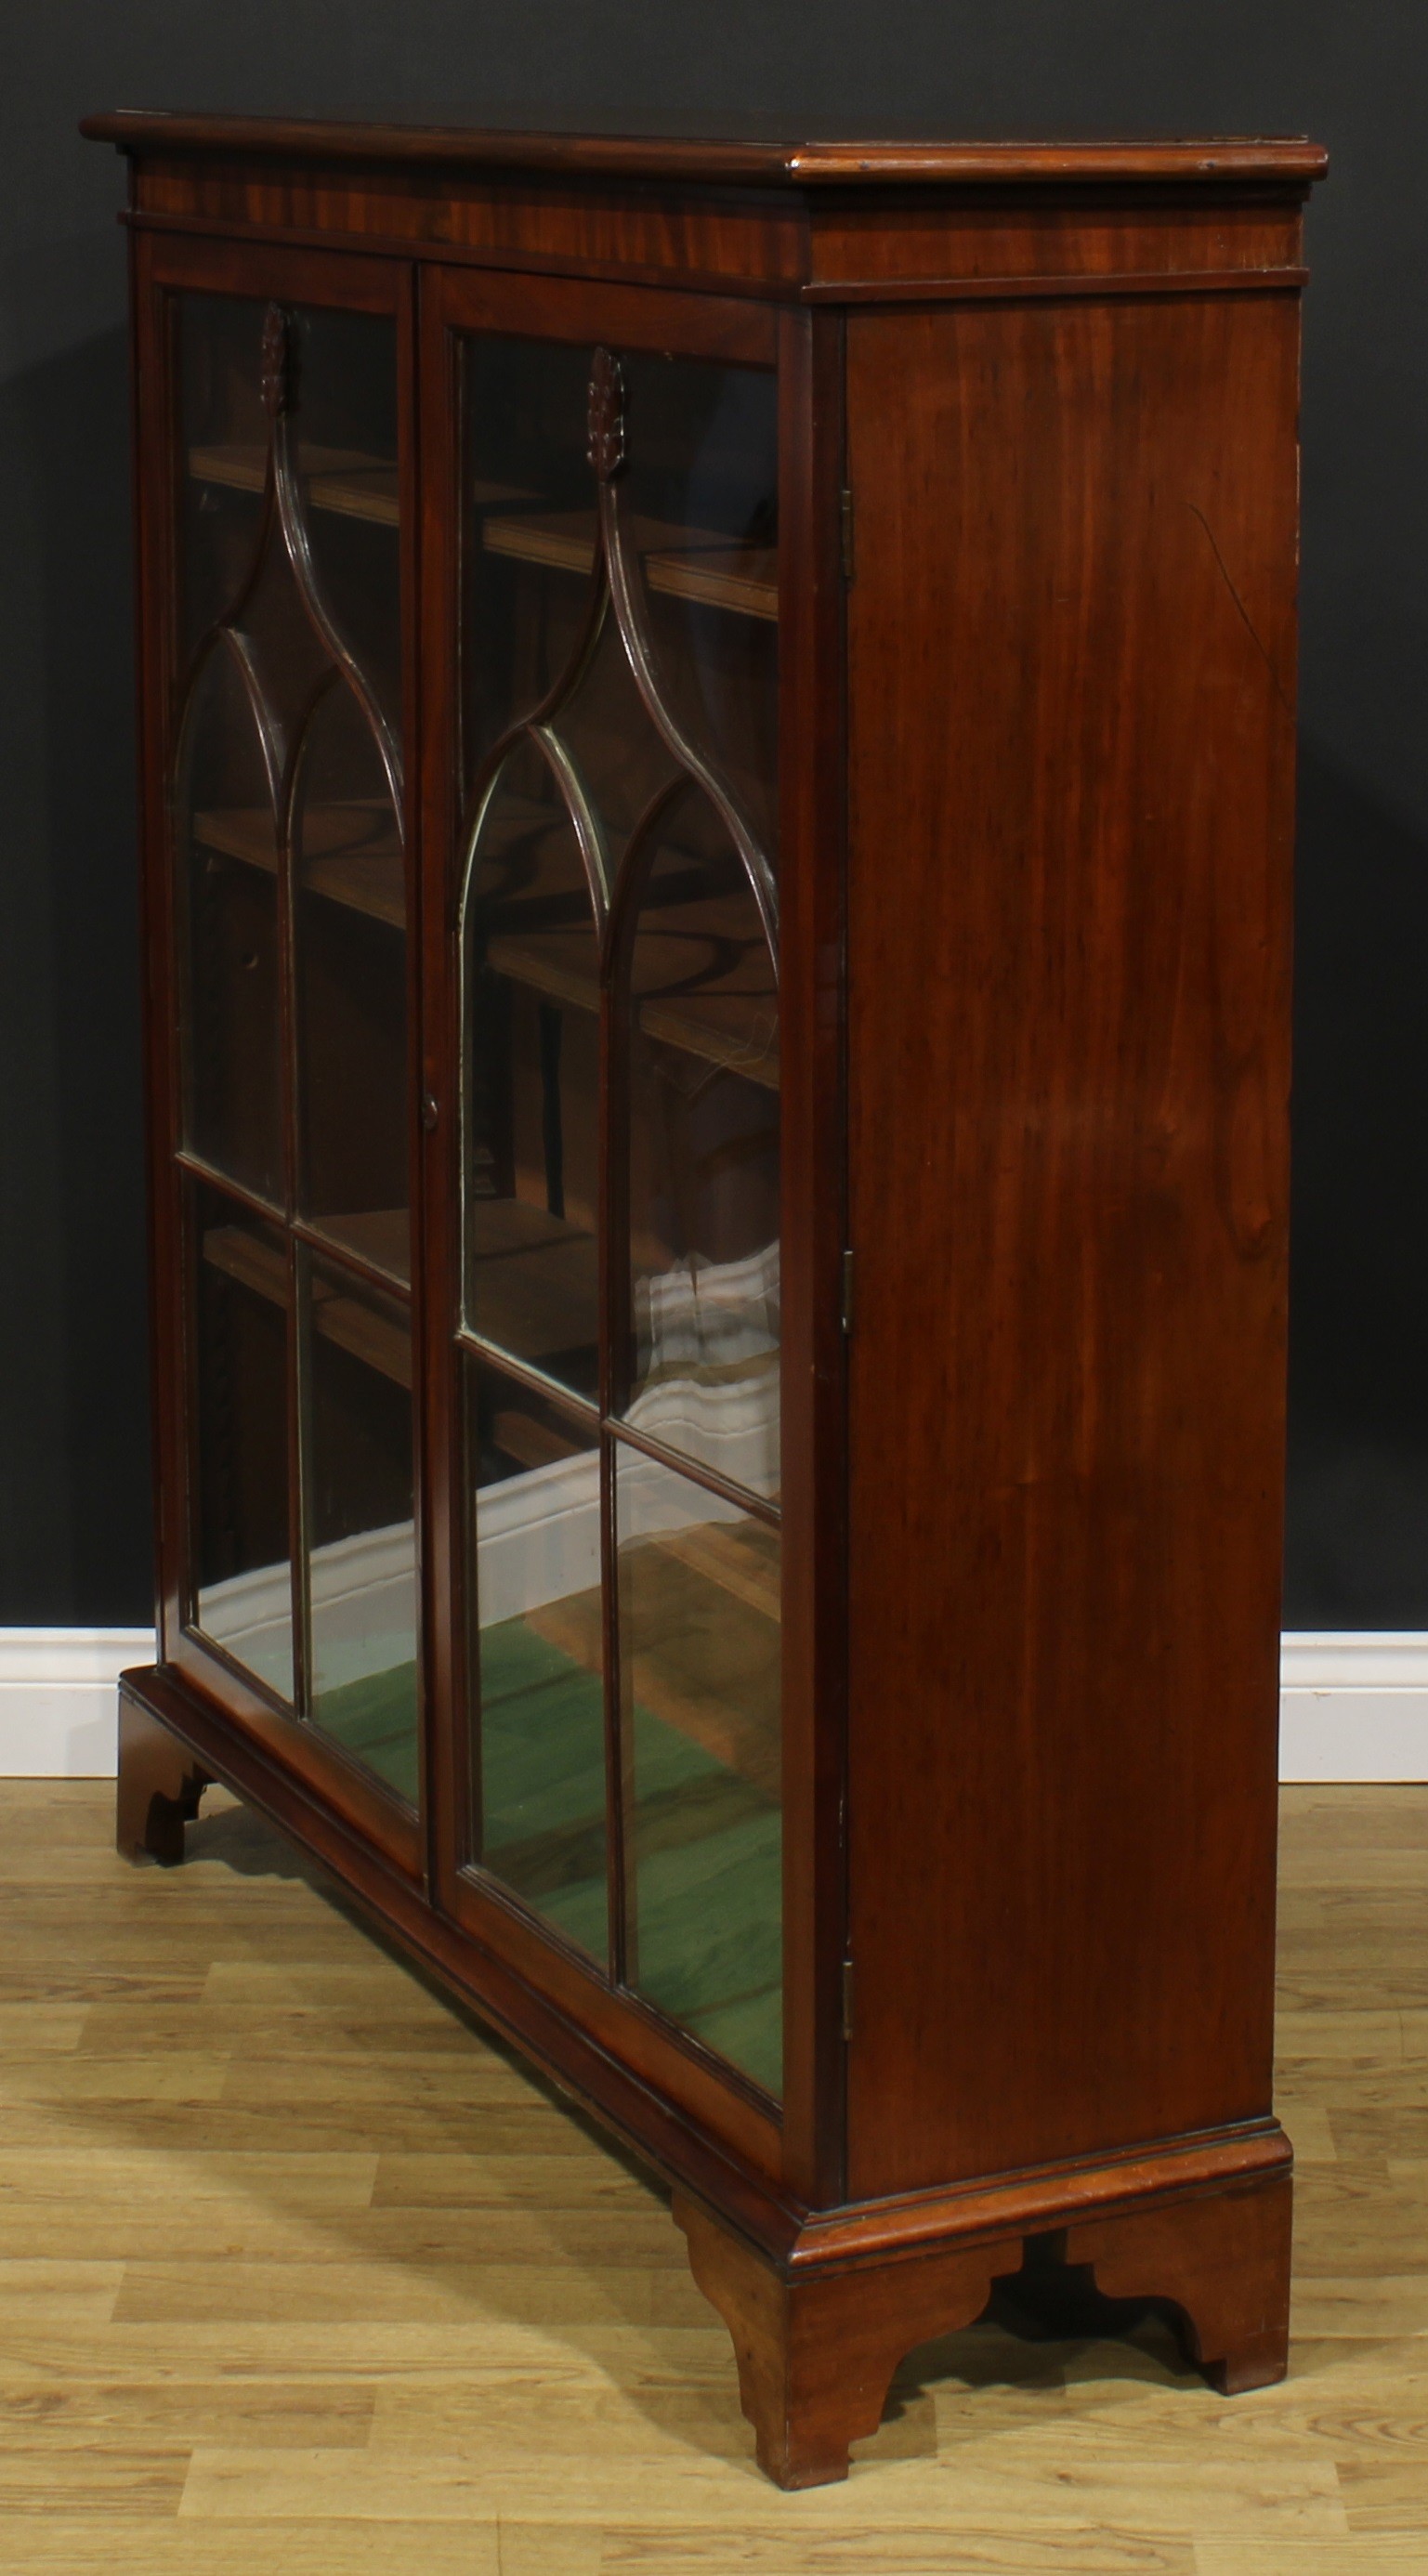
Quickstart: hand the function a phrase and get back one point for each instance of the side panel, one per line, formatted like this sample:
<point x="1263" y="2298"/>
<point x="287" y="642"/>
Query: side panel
<point x="1071" y="642"/>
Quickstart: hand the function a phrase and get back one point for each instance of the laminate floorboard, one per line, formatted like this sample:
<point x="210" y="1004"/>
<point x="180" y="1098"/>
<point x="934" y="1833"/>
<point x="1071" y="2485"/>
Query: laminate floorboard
<point x="300" y="2276"/>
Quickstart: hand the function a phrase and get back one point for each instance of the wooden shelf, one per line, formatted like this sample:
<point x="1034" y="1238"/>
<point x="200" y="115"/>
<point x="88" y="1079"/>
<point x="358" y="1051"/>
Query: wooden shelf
<point x="258" y="1263"/>
<point x="687" y="563"/>
<point x="350" y="852"/>
<point x="558" y="964"/>
<point x="381" y="1236"/>
<point x="534" y="1281"/>
<point x="742" y="578"/>
<point x="533" y="1441"/>
<point x="725" y="1021"/>
<point x="731" y="1019"/>
<point x="356" y="860"/>
<point x="689" y="1578"/>
<point x="339" y="479"/>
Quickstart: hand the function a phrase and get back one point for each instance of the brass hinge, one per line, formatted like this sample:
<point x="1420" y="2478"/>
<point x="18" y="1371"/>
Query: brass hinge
<point x="847" y="507"/>
<point x="846" y="1314"/>
<point x="847" y="1999"/>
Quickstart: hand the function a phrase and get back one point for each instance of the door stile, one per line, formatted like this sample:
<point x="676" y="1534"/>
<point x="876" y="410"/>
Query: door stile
<point x="299" y="1265"/>
<point x="614" y="1311"/>
<point x="437" y="769"/>
<point x="430" y="1606"/>
<point x="811" y="988"/>
<point x="155" y="434"/>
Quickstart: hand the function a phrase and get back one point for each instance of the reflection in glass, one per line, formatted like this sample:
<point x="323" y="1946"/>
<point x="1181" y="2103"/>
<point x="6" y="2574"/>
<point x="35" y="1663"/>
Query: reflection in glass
<point x="361" y="1549"/>
<point x="225" y="447"/>
<point x="352" y="988"/>
<point x="228" y="878"/>
<point x="290" y="579"/>
<point x="704" y="1159"/>
<point x="241" y="1566"/>
<point x="529" y="518"/>
<point x="281" y="642"/>
<point x="700" y="1723"/>
<point x="532" y="1096"/>
<point x="539" y="1805"/>
<point x="344" y="381"/>
<point x="700" y="492"/>
<point x="620" y="758"/>
<point x="347" y="461"/>
<point x="604" y="857"/>
<point x="699" y="515"/>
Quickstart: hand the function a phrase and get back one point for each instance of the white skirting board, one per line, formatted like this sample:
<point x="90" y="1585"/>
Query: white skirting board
<point x="58" y="1714"/>
<point x="1352" y="1706"/>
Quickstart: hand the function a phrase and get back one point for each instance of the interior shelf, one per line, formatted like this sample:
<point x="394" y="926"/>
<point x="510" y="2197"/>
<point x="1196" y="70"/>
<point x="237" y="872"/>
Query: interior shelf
<point x="688" y="563"/>
<point x="258" y="1263"/>
<point x="339" y="479"/>
<point x="534" y="1280"/>
<point x="723" y="1020"/>
<point x="350" y="852"/>
<point x="381" y="1236"/>
<point x="354" y="858"/>
<point x="688" y="1576"/>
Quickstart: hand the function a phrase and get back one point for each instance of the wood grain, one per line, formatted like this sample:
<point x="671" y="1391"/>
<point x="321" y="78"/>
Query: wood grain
<point x="1028" y="1871"/>
<point x="364" y="2289"/>
<point x="1068" y="1183"/>
<point x="851" y="162"/>
<point x="778" y="219"/>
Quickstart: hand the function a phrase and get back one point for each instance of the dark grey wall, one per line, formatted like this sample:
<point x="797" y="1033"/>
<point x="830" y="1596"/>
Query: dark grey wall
<point x="73" y="1491"/>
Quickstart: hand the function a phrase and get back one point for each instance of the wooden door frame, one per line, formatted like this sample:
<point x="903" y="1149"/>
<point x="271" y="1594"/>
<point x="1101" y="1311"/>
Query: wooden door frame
<point x="165" y="266"/>
<point x="806" y="2144"/>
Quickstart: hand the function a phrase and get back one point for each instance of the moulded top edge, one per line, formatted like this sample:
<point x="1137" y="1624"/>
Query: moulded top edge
<point x="866" y="162"/>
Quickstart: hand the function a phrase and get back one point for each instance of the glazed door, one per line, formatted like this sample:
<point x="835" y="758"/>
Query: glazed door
<point x="605" y="778"/>
<point x="282" y="918"/>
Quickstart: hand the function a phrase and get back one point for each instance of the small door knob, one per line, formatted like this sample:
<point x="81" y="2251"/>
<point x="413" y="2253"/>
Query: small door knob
<point x="430" y="1111"/>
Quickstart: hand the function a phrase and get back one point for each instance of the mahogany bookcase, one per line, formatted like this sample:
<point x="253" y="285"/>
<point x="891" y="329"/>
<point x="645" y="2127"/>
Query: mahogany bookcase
<point x="717" y="768"/>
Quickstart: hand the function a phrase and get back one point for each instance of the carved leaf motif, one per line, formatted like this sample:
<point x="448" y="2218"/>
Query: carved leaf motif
<point x="606" y="421"/>
<point x="279" y="362"/>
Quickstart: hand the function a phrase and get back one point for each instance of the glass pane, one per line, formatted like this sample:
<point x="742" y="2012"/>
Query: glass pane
<point x="343" y="412"/>
<point x="532" y="1098"/>
<point x="225" y="452"/>
<point x="704" y="1160"/>
<point x="282" y="646"/>
<point x="347" y="457"/>
<point x="352" y="988"/>
<point x="528" y="504"/>
<point x="701" y="492"/>
<point x="226" y="836"/>
<point x="539" y="1806"/>
<point x="700" y="1722"/>
<point x="619" y="756"/>
<point x="242" y="1571"/>
<point x="361" y="1567"/>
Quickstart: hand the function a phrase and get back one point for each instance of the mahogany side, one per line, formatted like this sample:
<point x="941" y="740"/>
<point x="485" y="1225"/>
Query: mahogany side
<point x="1071" y="675"/>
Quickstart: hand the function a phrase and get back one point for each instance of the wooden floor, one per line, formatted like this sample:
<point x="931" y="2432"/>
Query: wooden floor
<point x="298" y="2275"/>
